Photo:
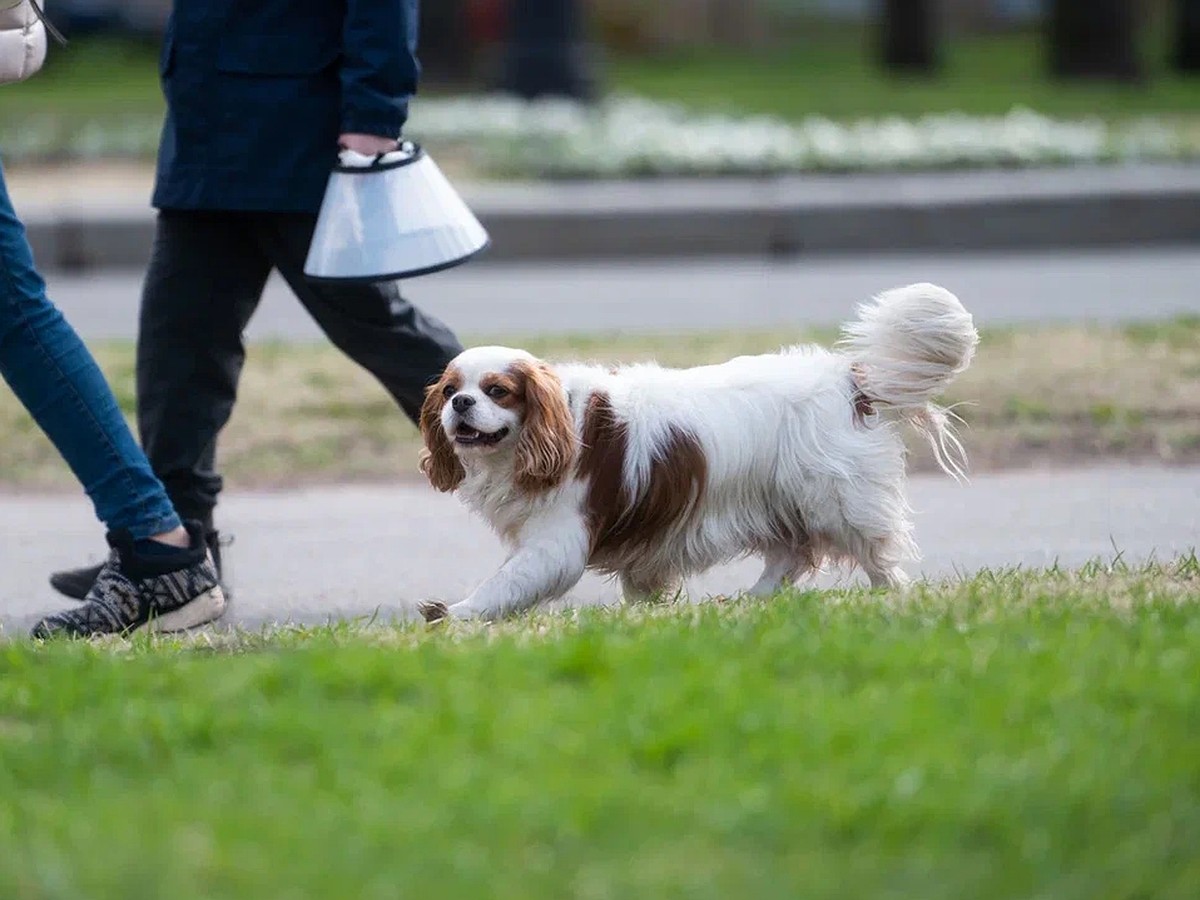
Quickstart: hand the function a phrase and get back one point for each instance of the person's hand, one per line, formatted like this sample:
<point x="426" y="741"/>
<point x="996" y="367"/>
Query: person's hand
<point x="367" y="144"/>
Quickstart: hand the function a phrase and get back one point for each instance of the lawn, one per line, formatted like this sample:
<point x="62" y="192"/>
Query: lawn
<point x="828" y="72"/>
<point x="1011" y="735"/>
<point x="91" y="78"/>
<point x="831" y="74"/>
<point x="1033" y="395"/>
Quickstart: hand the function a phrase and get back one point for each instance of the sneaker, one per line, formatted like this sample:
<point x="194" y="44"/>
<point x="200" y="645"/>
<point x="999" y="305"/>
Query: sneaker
<point x="131" y="592"/>
<point x="76" y="583"/>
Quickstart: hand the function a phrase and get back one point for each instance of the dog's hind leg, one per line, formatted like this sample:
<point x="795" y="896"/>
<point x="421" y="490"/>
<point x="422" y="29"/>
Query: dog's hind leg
<point x="650" y="588"/>
<point x="879" y="558"/>
<point x="876" y="530"/>
<point x="782" y="567"/>
<point x="890" y="577"/>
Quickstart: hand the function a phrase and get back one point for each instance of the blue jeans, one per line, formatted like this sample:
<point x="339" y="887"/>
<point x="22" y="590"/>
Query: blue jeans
<point x="54" y="375"/>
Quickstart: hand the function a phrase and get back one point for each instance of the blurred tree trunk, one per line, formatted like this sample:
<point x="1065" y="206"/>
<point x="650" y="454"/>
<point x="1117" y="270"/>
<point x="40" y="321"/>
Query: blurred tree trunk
<point x="740" y="23"/>
<point x="444" y="55"/>
<point x="547" y="52"/>
<point x="969" y="16"/>
<point x="1094" y="39"/>
<point x="1187" y="36"/>
<point x="909" y="36"/>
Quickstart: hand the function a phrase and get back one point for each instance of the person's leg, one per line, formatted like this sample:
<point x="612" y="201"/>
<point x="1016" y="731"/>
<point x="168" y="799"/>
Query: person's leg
<point x="160" y="573"/>
<point x="204" y="281"/>
<point x="374" y="325"/>
<point x="55" y="376"/>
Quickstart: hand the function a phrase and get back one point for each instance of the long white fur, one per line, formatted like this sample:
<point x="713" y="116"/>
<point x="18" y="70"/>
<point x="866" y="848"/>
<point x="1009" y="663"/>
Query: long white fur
<point x="779" y="435"/>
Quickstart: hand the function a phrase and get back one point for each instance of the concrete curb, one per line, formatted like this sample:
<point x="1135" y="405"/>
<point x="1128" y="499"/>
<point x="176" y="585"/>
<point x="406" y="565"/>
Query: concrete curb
<point x="953" y="211"/>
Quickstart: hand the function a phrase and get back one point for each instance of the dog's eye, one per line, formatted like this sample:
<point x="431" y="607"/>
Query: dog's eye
<point x="496" y="392"/>
<point x="448" y="391"/>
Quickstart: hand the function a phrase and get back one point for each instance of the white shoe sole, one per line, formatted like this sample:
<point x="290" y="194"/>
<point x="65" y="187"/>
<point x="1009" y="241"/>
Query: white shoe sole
<point x="208" y="607"/>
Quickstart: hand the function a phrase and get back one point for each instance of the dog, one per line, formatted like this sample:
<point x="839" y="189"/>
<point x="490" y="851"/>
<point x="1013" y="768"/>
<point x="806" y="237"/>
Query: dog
<point x="653" y="474"/>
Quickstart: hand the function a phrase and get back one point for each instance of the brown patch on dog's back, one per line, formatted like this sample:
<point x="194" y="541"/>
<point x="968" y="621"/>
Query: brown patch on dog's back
<point x="618" y="522"/>
<point x="602" y="464"/>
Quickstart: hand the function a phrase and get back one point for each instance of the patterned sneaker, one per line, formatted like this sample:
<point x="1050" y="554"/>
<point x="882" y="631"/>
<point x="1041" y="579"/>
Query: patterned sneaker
<point x="77" y="583"/>
<point x="162" y="593"/>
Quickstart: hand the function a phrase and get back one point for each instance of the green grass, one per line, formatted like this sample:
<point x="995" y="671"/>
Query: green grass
<point x="832" y="74"/>
<point x="828" y="71"/>
<point x="1013" y="735"/>
<point x="91" y="78"/>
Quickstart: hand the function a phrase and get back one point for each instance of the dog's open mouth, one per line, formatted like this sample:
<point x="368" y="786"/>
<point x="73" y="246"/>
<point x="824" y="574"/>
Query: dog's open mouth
<point x="467" y="436"/>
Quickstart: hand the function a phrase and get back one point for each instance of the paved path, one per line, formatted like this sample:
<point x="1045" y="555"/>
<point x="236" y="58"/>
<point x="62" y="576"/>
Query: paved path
<point x="504" y="299"/>
<point x="312" y="555"/>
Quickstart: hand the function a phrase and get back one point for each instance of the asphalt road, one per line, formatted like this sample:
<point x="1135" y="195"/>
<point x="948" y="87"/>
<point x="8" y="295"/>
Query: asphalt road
<point x="482" y="299"/>
<point x="313" y="555"/>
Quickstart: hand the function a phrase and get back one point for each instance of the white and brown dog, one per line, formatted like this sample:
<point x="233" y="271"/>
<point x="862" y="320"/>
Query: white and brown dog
<point x="654" y="474"/>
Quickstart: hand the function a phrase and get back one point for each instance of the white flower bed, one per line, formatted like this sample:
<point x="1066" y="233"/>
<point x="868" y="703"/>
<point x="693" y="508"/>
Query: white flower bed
<point x="628" y="136"/>
<point x="46" y="137"/>
<point x="631" y="136"/>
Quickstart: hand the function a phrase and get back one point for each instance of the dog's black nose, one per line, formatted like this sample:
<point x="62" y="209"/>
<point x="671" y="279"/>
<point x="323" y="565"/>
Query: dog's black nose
<point x="462" y="402"/>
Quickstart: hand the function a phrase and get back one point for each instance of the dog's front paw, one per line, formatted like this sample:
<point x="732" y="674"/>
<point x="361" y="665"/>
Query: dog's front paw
<point x="433" y="611"/>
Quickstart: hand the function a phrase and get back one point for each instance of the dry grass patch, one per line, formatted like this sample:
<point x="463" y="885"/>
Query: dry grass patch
<point x="1033" y="395"/>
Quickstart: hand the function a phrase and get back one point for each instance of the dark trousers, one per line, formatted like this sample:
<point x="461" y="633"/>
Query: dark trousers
<point x="206" y="277"/>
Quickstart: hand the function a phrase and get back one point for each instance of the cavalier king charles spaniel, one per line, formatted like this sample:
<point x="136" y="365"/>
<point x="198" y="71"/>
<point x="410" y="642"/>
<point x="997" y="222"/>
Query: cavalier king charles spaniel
<point x="653" y="474"/>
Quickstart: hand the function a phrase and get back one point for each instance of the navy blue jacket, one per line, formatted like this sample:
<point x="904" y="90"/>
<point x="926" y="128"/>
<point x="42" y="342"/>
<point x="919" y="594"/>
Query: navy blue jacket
<point x="259" y="90"/>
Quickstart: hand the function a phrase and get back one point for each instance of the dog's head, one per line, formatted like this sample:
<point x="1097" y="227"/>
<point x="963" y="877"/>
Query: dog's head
<point x="497" y="406"/>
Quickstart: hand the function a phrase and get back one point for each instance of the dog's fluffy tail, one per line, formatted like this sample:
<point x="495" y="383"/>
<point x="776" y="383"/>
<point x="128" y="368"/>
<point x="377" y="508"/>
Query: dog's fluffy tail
<point x="905" y="347"/>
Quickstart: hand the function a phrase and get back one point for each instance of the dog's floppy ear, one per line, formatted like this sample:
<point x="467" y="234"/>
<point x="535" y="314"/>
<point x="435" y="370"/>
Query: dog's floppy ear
<point x="438" y="460"/>
<point x="548" y="445"/>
